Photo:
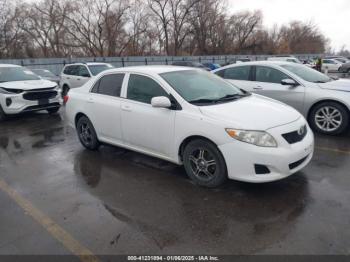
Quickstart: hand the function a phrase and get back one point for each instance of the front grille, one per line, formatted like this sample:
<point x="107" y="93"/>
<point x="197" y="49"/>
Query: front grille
<point x="37" y="95"/>
<point x="295" y="136"/>
<point x="297" y="163"/>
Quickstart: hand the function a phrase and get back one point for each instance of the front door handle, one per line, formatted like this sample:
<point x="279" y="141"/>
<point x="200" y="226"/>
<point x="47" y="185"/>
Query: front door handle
<point x="126" y="108"/>
<point x="91" y="100"/>
<point x="258" y="88"/>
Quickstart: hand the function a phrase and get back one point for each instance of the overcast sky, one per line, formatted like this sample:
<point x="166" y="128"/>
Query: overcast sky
<point x="332" y="16"/>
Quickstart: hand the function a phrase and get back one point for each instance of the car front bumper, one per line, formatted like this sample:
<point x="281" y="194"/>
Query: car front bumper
<point x="16" y="103"/>
<point x="286" y="159"/>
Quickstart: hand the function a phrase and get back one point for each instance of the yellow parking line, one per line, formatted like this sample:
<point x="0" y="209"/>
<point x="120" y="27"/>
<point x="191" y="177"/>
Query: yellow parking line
<point x="84" y="254"/>
<point x="333" y="150"/>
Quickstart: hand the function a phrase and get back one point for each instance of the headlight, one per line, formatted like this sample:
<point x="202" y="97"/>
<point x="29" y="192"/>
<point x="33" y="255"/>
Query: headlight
<point x="258" y="138"/>
<point x="9" y="91"/>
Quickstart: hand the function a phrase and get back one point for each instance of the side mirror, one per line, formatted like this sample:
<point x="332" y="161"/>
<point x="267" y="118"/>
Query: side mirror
<point x="161" y="102"/>
<point x="289" y="82"/>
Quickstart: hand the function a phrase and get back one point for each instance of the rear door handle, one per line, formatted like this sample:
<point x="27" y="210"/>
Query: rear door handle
<point x="91" y="100"/>
<point x="126" y="108"/>
<point x="78" y="79"/>
<point x="68" y="77"/>
<point x="258" y="88"/>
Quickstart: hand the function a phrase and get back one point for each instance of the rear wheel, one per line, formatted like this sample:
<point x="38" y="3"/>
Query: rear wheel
<point x="329" y="118"/>
<point x="204" y="163"/>
<point x="87" y="134"/>
<point x="2" y="114"/>
<point x="53" y="110"/>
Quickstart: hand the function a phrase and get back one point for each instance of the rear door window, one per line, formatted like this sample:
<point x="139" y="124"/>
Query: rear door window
<point x="110" y="85"/>
<point x="236" y="73"/>
<point x="71" y="70"/>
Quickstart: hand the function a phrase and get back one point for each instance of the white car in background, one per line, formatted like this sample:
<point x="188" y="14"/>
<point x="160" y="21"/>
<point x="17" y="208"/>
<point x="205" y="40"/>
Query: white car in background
<point x="77" y="74"/>
<point x="325" y="102"/>
<point x="192" y="117"/>
<point x="23" y="91"/>
<point x="331" y="65"/>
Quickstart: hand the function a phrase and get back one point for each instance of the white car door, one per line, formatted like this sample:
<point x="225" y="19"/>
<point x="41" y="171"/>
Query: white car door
<point x="82" y="76"/>
<point x="268" y="83"/>
<point x="145" y="127"/>
<point x="69" y="74"/>
<point x="104" y="104"/>
<point x="239" y="76"/>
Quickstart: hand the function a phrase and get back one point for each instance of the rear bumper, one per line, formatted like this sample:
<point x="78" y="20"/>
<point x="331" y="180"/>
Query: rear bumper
<point x="282" y="161"/>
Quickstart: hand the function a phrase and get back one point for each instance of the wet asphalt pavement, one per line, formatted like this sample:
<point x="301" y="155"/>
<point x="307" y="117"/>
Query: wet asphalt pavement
<point x="114" y="201"/>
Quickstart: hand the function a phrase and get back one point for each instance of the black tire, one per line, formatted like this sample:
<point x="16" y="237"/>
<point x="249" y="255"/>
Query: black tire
<point x="53" y="110"/>
<point x="2" y="114"/>
<point x="87" y="134"/>
<point x="204" y="173"/>
<point x="65" y="90"/>
<point x="338" y="125"/>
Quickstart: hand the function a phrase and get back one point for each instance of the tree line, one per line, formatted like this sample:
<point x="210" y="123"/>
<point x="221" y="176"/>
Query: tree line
<point x="71" y="28"/>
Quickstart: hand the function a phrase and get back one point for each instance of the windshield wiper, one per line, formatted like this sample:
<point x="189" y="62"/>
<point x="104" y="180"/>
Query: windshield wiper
<point x="203" y="101"/>
<point x="217" y="100"/>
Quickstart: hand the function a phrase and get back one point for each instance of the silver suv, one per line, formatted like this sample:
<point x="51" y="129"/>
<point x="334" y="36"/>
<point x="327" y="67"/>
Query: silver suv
<point x="75" y="75"/>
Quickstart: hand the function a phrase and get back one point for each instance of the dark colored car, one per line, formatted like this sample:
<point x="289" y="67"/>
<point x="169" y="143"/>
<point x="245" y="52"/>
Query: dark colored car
<point x="212" y="66"/>
<point x="190" y="64"/>
<point x="47" y="75"/>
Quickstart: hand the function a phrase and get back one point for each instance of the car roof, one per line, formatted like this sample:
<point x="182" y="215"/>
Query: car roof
<point x="261" y="63"/>
<point x="88" y="63"/>
<point x="152" y="69"/>
<point x="9" y="65"/>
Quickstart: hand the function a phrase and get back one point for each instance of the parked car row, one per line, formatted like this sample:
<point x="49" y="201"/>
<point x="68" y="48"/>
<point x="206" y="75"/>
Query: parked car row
<point x="249" y="121"/>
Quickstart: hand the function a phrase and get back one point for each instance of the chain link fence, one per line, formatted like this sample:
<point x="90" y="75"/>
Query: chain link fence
<point x="55" y="65"/>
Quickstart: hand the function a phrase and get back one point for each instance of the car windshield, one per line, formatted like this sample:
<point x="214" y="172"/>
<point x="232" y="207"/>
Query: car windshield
<point x="201" y="87"/>
<point x="308" y="74"/>
<point x="96" y="69"/>
<point x="43" y="73"/>
<point x="10" y="74"/>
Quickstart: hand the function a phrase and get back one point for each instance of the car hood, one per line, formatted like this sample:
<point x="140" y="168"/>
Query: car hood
<point x="252" y="113"/>
<point x="337" y="85"/>
<point x="28" y="85"/>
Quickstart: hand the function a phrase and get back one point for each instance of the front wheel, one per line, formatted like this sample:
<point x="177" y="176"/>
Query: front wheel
<point x="329" y="118"/>
<point x="204" y="163"/>
<point x="87" y="134"/>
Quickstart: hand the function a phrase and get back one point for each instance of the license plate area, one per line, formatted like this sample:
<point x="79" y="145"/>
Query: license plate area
<point x="43" y="101"/>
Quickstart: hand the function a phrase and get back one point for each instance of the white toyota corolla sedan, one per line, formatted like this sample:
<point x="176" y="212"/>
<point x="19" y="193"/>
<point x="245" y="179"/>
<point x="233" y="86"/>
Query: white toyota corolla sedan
<point x="192" y="117"/>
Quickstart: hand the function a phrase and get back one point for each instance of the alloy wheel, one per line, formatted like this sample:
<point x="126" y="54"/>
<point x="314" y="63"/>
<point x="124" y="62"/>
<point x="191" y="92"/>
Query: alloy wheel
<point x="203" y="164"/>
<point x="85" y="134"/>
<point x="328" y="118"/>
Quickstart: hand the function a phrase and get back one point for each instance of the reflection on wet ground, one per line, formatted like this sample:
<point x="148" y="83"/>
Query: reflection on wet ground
<point x="117" y="201"/>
